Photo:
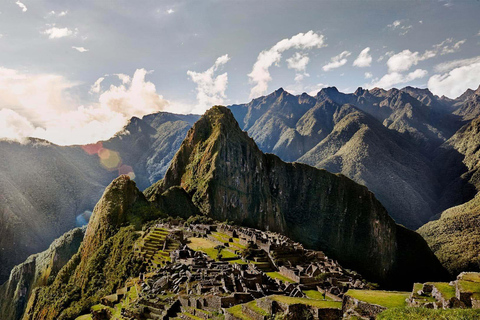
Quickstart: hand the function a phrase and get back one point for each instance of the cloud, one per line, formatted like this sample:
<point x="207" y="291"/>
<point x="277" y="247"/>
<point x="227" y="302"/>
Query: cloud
<point x="337" y="61"/>
<point x="311" y="90"/>
<point x="450" y="65"/>
<point x="404" y="60"/>
<point x="393" y="78"/>
<point x="457" y="80"/>
<point x="400" y="26"/>
<point x="80" y="49"/>
<point x="22" y="6"/>
<point x="299" y="62"/>
<point x="444" y="47"/>
<point x="368" y="75"/>
<point x="124" y="78"/>
<point x="95" y="88"/>
<point x="260" y="75"/>
<point x="55" y="33"/>
<point x="170" y="11"/>
<point x="58" y="14"/>
<point x="210" y="88"/>
<point x="39" y="105"/>
<point x="364" y="59"/>
<point x="13" y="126"/>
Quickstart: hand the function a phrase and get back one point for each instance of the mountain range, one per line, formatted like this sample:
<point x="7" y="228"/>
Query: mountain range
<point x="409" y="147"/>
<point x="220" y="172"/>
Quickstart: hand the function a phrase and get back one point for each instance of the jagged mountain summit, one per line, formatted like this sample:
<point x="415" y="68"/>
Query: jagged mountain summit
<point x="229" y="178"/>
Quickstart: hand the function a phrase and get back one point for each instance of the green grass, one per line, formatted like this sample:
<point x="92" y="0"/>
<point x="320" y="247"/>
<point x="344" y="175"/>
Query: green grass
<point x="308" y="302"/>
<point x="192" y="316"/>
<point x="239" y="261"/>
<point x="316" y="295"/>
<point x="207" y="246"/>
<point x="469" y="286"/>
<point x="471" y="276"/>
<point x="445" y="289"/>
<point x="429" y="314"/>
<point x="85" y="317"/>
<point x="277" y="275"/>
<point x="387" y="299"/>
<point x="237" y="312"/>
<point x="253" y="305"/>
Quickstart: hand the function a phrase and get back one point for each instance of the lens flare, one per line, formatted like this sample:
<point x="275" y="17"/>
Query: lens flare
<point x="83" y="218"/>
<point x="109" y="159"/>
<point x="93" y="148"/>
<point x="124" y="169"/>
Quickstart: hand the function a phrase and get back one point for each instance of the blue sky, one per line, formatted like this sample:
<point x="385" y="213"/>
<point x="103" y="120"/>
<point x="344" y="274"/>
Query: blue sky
<point x="183" y="56"/>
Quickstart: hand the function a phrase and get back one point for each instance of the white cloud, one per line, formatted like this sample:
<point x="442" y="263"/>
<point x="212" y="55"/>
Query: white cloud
<point x="457" y="80"/>
<point x="210" y="88"/>
<point x="260" y="75"/>
<point x="80" y="49"/>
<point x="124" y="78"/>
<point x="404" y="60"/>
<point x="22" y="6"/>
<point x="393" y="78"/>
<point x="364" y="59"/>
<point x="311" y="90"/>
<point x="368" y="75"/>
<point x="444" y="47"/>
<point x="298" y="62"/>
<point x="13" y="126"/>
<point x="55" y="33"/>
<point x="400" y="26"/>
<point x="96" y="87"/>
<point x="450" y="65"/>
<point x="170" y="11"/>
<point x="39" y="106"/>
<point x="58" y="14"/>
<point x="478" y="34"/>
<point x="337" y="61"/>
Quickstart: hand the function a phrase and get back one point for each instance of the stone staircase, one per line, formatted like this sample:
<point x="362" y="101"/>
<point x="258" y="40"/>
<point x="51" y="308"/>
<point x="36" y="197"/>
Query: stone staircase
<point x="153" y="248"/>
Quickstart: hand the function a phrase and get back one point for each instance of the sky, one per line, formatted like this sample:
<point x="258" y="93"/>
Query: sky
<point x="75" y="72"/>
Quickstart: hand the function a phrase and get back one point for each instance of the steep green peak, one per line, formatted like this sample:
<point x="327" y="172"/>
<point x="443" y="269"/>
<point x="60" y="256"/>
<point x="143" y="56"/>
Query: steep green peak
<point x="115" y="208"/>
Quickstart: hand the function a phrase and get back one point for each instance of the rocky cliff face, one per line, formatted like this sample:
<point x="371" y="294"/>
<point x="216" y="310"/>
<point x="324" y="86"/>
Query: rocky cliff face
<point x="38" y="270"/>
<point x="228" y="177"/>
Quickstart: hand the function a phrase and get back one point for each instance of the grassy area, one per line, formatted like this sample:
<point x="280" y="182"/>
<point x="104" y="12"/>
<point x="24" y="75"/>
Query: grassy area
<point x="469" y="286"/>
<point x="191" y="316"/>
<point x="388" y="299"/>
<point x="471" y="276"/>
<point x="277" y="275"/>
<point x="308" y="302"/>
<point x="237" y="312"/>
<point x="239" y="261"/>
<point x="253" y="305"/>
<point x="207" y="246"/>
<point x="316" y="295"/>
<point x="429" y="314"/>
<point x="85" y="317"/>
<point x="445" y="289"/>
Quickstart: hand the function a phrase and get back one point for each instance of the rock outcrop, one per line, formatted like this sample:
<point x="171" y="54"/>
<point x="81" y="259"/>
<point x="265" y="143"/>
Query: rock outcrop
<point x="38" y="270"/>
<point x="229" y="178"/>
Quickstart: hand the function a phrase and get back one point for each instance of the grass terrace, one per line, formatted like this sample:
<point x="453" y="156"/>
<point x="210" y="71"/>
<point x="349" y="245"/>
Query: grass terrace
<point x="429" y="314"/>
<point x="316" y="295"/>
<point x="277" y="275"/>
<point x="470" y="286"/>
<point x="207" y="246"/>
<point x="387" y="299"/>
<point x="445" y="289"/>
<point x="237" y="312"/>
<point x="309" y="302"/>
